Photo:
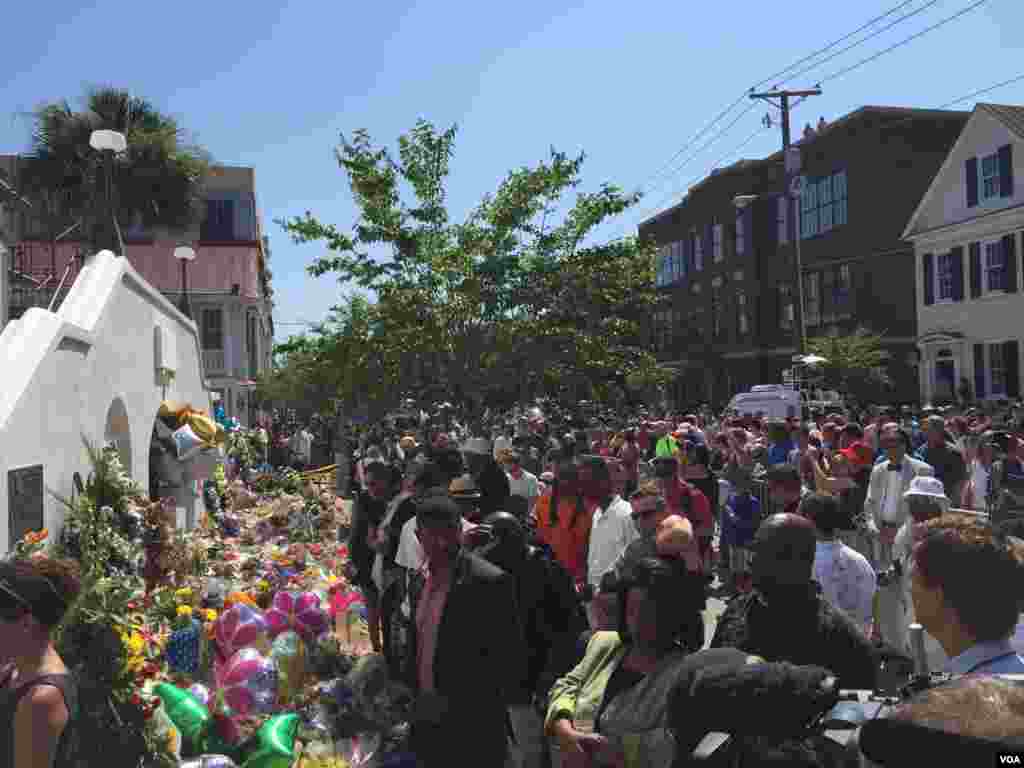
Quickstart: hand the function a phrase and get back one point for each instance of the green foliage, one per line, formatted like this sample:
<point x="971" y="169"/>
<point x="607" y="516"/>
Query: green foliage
<point x="508" y="294"/>
<point x="157" y="181"/>
<point x="857" y="363"/>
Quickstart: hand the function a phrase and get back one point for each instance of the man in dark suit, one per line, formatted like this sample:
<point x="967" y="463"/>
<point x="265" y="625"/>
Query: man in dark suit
<point x="466" y="660"/>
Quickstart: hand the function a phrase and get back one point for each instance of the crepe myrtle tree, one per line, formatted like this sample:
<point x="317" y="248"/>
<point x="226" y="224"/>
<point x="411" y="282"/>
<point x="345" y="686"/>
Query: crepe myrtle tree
<point x="512" y="289"/>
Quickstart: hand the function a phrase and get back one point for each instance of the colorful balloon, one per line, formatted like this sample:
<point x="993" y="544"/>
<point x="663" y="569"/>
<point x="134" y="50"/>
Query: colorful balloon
<point x="248" y="683"/>
<point x="201" y="692"/>
<point x="300" y="611"/>
<point x="341" y="601"/>
<point x="182" y="651"/>
<point x="189" y="716"/>
<point x="209" y="761"/>
<point x="289" y="652"/>
<point x="275" y="743"/>
<point x="241" y="626"/>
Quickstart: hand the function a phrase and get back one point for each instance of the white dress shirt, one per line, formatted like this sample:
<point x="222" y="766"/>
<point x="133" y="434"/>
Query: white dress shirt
<point x="611" y="531"/>
<point x="526" y="486"/>
<point x="893" y="497"/>
<point x="847" y="580"/>
<point x="979" y="485"/>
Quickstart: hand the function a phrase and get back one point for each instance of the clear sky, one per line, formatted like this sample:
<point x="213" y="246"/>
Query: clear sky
<point x="272" y="85"/>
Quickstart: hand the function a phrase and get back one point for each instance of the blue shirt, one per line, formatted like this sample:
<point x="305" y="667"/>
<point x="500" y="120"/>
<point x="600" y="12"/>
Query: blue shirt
<point x="996" y="658"/>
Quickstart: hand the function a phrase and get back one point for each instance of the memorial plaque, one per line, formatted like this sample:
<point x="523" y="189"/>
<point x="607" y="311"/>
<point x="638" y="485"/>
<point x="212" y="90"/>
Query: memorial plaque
<point x="25" y="496"/>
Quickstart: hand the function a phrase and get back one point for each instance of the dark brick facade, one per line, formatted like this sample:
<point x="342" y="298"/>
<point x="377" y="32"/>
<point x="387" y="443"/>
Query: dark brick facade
<point x="858" y="272"/>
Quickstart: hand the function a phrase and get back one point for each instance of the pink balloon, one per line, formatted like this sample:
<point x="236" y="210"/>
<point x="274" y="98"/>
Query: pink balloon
<point x="299" y="611"/>
<point x="342" y="601"/>
<point x="239" y="627"/>
<point x="248" y="683"/>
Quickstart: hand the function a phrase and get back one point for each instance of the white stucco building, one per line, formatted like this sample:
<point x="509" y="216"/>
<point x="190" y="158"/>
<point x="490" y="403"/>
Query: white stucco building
<point x="967" y="245"/>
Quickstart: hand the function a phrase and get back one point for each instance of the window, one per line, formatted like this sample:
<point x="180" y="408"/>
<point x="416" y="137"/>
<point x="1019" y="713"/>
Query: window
<point x="716" y="243"/>
<point x="662" y="329"/>
<point x="782" y="218"/>
<point x="742" y="319"/>
<point x="785" y="305"/>
<point x="839" y="199"/>
<point x="213" y="329"/>
<point x="741" y="234"/>
<point x="698" y="251"/>
<point x="678" y="261"/>
<point x="809" y="210"/>
<point x="717" y="326"/>
<point x="812" y="298"/>
<point x="843" y="291"/>
<point x="996" y="370"/>
<point x="823" y="204"/>
<point x="995" y="266"/>
<point x="989" y="176"/>
<point x="220" y="220"/>
<point x="944" y="276"/>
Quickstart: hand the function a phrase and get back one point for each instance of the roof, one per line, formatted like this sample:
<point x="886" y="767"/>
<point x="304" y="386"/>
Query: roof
<point x="857" y="114"/>
<point x="1010" y="116"/>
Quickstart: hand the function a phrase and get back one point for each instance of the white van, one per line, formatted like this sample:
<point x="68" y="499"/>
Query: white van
<point x="774" y="401"/>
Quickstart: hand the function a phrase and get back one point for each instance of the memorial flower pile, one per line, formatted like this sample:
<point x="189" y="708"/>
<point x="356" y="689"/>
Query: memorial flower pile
<point x="241" y="639"/>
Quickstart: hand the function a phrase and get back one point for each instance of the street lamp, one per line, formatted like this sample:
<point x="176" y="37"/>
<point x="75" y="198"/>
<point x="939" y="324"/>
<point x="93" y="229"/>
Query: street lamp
<point x="110" y="143"/>
<point x="184" y="254"/>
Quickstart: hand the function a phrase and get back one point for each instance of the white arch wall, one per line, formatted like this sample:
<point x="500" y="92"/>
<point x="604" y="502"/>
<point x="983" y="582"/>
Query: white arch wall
<point x="59" y="374"/>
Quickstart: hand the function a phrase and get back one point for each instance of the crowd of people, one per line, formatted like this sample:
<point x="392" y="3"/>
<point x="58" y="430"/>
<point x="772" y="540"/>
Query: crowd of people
<point x="542" y="583"/>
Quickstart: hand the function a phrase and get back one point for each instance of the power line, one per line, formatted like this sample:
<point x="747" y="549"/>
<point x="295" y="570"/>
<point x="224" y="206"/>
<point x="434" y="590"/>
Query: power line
<point x="721" y="115"/>
<point x="718" y="162"/>
<point x="850" y="47"/>
<point x="971" y="95"/>
<point x="904" y="41"/>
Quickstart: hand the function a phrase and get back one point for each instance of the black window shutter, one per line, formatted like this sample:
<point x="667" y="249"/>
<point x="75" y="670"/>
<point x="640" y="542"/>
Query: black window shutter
<point x="1012" y="362"/>
<point x="979" y="371"/>
<point x="688" y="246"/>
<point x="1006" y="171"/>
<point x="972" y="181"/>
<point x="958" y="273"/>
<point x="709" y="241"/>
<point x="975" y="257"/>
<point x="928" y="277"/>
<point x="1010" y="254"/>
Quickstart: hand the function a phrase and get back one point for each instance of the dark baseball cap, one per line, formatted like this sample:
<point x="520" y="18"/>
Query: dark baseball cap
<point x="437" y="509"/>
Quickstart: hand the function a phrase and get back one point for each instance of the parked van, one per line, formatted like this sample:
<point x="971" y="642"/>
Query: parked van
<point x="773" y="401"/>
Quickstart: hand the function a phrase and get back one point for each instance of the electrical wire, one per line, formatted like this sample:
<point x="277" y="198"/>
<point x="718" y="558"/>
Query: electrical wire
<point x="667" y="166"/>
<point x="904" y="41"/>
<point x="979" y="92"/>
<point x="850" y="47"/>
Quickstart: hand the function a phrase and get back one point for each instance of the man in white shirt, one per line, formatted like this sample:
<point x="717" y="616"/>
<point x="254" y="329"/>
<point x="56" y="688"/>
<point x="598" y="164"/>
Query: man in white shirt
<point x="886" y="510"/>
<point x="926" y="499"/>
<point x="520" y="482"/>
<point x="846" y="577"/>
<point x="611" y="530"/>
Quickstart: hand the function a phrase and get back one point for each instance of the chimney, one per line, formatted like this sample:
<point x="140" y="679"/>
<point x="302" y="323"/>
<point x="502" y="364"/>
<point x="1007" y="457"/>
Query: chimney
<point x="821" y="124"/>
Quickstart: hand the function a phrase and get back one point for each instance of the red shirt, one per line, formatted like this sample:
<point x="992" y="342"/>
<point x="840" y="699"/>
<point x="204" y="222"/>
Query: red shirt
<point x="428" y="622"/>
<point x="699" y="513"/>
<point x="568" y="542"/>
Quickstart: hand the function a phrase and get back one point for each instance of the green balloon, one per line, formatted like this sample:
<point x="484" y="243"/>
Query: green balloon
<point x="275" y="743"/>
<point x="188" y="714"/>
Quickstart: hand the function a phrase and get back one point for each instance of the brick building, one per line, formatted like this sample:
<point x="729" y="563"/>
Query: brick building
<point x="735" y="309"/>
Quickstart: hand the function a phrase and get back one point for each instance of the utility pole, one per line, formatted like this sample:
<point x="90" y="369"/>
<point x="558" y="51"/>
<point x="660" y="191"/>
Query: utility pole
<point x="792" y="168"/>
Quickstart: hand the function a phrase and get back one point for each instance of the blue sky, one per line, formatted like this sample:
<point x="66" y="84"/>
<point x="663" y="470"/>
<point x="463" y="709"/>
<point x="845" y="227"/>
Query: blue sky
<point x="272" y="85"/>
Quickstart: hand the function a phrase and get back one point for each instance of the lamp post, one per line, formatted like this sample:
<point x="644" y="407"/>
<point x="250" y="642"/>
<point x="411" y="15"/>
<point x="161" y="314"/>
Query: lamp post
<point x="184" y="254"/>
<point x="110" y="143"/>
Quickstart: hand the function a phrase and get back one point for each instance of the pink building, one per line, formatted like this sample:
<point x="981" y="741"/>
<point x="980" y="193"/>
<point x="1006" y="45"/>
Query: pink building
<point x="228" y="283"/>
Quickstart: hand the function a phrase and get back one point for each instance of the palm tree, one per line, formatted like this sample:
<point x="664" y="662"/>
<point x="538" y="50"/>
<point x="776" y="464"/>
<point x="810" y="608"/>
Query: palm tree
<point x="156" y="183"/>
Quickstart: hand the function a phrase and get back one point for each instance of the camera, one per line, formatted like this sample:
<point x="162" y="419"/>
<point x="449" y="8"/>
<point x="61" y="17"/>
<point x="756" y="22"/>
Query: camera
<point x="891" y="575"/>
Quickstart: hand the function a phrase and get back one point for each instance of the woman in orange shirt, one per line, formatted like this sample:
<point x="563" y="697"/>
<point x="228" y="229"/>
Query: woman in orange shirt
<point x="563" y="522"/>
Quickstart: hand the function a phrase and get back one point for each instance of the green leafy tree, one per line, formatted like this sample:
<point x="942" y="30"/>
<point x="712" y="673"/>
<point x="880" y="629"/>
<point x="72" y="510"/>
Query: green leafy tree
<point x="857" y="363"/>
<point x="512" y="292"/>
<point x="157" y="182"/>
